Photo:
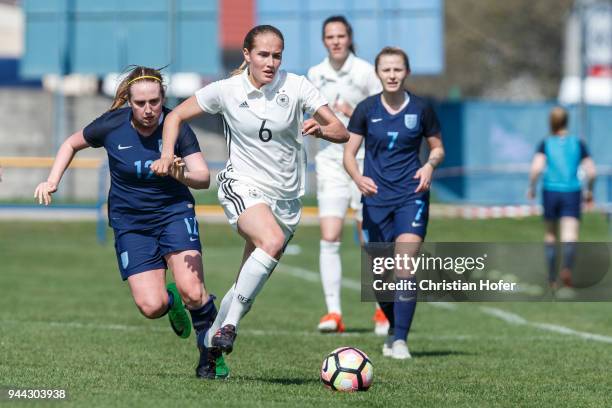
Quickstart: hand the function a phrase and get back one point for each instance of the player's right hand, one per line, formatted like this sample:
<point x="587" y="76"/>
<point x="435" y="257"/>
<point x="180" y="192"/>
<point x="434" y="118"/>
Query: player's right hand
<point x="161" y="167"/>
<point x="530" y="193"/>
<point x="367" y="186"/>
<point x="43" y="192"/>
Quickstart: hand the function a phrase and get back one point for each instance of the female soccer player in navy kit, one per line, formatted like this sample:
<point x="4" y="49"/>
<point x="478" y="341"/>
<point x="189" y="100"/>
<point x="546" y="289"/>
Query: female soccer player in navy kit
<point x="152" y="217"/>
<point x="394" y="184"/>
<point x="559" y="157"/>
<point x="260" y="188"/>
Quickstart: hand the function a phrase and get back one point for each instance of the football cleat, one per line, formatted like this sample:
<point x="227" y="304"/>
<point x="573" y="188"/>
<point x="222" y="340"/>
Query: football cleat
<point x="224" y="338"/>
<point x="211" y="365"/>
<point x="399" y="350"/>
<point x="179" y="319"/>
<point x="566" y="277"/>
<point x="331" y="323"/>
<point x="381" y="324"/>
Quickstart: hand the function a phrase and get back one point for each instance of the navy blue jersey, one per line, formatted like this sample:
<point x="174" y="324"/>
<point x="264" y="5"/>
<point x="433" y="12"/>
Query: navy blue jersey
<point x="392" y="144"/>
<point x="138" y="199"/>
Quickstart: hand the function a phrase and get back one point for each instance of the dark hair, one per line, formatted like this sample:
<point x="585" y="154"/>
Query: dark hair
<point x="249" y="41"/>
<point x="558" y="119"/>
<point x="347" y="25"/>
<point x="392" y="51"/>
<point x="137" y="74"/>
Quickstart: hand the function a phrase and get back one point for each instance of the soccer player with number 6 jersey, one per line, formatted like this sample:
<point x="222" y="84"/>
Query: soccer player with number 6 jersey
<point x="260" y="188"/>
<point x="153" y="217"/>
<point x="395" y="185"/>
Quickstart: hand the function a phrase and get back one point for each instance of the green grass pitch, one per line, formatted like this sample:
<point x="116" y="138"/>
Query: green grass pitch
<point x="67" y="321"/>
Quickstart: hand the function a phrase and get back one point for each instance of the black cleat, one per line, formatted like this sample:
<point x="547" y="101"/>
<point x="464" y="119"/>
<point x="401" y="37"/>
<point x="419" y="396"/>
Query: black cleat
<point x="224" y="338"/>
<point x="207" y="366"/>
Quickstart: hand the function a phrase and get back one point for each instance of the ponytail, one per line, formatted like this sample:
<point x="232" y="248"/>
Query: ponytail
<point x="240" y="69"/>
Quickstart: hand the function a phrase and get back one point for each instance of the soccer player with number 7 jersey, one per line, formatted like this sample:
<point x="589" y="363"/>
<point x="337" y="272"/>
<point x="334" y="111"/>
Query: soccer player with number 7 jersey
<point x="260" y="188"/>
<point x="395" y="185"/>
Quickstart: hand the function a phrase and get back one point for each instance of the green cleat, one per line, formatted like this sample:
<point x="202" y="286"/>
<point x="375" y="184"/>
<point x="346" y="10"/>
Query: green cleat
<point x="222" y="371"/>
<point x="179" y="319"/>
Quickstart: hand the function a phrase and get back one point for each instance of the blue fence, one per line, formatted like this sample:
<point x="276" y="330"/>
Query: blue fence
<point x="489" y="147"/>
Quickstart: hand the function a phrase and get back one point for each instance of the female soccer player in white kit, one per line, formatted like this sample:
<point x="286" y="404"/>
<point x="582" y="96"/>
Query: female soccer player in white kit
<point x="260" y="188"/>
<point x="344" y="80"/>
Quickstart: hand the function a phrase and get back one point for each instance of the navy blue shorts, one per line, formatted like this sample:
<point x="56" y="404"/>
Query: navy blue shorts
<point x="385" y="224"/>
<point x="560" y="204"/>
<point x="144" y="250"/>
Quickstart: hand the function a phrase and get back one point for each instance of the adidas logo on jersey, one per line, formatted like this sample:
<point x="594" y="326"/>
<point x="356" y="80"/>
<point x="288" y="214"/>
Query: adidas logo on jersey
<point x="243" y="105"/>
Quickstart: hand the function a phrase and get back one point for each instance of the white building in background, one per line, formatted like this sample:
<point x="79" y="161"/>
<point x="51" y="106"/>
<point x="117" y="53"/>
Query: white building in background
<point x="597" y="54"/>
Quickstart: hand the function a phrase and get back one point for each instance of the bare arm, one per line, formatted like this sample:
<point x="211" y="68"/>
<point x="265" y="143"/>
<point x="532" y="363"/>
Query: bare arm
<point x="172" y="124"/>
<point x="588" y="165"/>
<point x="64" y="156"/>
<point x="326" y="125"/>
<point x="537" y="167"/>
<point x="436" y="156"/>
<point x="365" y="184"/>
<point x="192" y="171"/>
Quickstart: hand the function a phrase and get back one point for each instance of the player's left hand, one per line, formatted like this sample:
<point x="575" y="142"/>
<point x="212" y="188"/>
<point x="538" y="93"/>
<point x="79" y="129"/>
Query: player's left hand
<point x="588" y="199"/>
<point x="161" y="167"/>
<point x="312" y="127"/>
<point x="424" y="174"/>
<point x="177" y="170"/>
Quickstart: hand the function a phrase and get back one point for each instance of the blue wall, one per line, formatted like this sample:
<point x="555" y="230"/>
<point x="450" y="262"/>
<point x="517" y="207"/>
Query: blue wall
<point x="496" y="141"/>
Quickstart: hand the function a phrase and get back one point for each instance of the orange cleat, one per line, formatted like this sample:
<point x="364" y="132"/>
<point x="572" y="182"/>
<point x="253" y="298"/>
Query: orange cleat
<point x="331" y="323"/>
<point x="381" y="324"/>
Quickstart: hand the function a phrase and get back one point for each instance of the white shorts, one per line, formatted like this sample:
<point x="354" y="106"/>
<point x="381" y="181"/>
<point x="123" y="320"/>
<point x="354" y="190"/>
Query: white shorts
<point x="236" y="196"/>
<point x="336" y="191"/>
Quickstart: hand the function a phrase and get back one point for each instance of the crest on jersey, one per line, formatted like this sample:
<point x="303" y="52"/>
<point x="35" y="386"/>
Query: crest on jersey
<point x="282" y="100"/>
<point x="410" y="120"/>
<point x="254" y="193"/>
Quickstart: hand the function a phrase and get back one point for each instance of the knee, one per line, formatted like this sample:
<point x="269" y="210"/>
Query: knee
<point x="330" y="236"/>
<point x="152" y="308"/>
<point x="192" y="296"/>
<point x="273" y="244"/>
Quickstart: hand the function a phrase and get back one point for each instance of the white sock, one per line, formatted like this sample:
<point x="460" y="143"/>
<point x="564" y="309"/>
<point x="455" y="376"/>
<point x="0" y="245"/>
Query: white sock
<point x="331" y="274"/>
<point x="223" y="309"/>
<point x="253" y="275"/>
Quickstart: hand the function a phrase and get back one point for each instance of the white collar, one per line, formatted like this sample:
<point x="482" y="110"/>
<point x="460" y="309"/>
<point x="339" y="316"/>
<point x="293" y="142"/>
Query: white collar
<point x="250" y="88"/>
<point x="345" y="68"/>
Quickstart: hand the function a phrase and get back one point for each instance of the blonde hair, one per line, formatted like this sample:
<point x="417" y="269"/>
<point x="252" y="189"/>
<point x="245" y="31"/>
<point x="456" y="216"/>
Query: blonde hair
<point x="139" y="73"/>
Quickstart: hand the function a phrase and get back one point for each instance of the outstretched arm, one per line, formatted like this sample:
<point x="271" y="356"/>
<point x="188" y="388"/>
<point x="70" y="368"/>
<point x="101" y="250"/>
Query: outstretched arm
<point x="326" y="125"/>
<point x="191" y="171"/>
<point x="64" y="156"/>
<point x="172" y="124"/>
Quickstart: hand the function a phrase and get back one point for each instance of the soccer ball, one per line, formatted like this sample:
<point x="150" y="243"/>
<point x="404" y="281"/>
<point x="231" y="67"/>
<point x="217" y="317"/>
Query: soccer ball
<point x="347" y="369"/>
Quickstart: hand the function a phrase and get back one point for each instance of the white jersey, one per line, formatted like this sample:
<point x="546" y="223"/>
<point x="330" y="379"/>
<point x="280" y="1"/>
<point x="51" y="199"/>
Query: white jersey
<point x="352" y="83"/>
<point x="263" y="129"/>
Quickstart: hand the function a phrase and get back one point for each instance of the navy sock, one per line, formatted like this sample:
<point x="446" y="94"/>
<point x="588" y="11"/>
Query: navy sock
<point x="551" y="257"/>
<point x="569" y="255"/>
<point x="405" y="305"/>
<point x="203" y="318"/>
<point x="387" y="308"/>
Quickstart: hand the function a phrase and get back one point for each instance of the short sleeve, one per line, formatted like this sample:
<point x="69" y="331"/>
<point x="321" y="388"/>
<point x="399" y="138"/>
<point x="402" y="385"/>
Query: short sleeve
<point x="310" y="97"/>
<point x="96" y="131"/>
<point x="431" y="124"/>
<point x="359" y="122"/>
<point x="209" y="98"/>
<point x="584" y="151"/>
<point x="373" y="84"/>
<point x="187" y="142"/>
<point x="541" y="148"/>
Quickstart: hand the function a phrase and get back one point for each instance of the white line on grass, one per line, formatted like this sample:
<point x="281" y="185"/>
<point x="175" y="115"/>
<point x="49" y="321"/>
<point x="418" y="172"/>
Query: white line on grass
<point x="513" y="318"/>
<point x="508" y="317"/>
